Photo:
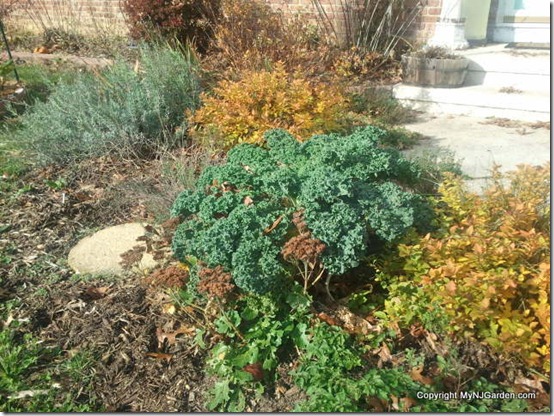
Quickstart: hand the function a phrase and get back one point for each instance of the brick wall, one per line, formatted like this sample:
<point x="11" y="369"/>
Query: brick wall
<point x="423" y="27"/>
<point x="313" y="12"/>
<point x="81" y="16"/>
<point x="93" y="15"/>
<point x="420" y="31"/>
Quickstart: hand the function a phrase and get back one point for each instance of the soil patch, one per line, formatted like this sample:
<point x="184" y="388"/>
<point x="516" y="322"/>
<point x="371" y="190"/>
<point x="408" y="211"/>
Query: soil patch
<point x="119" y="323"/>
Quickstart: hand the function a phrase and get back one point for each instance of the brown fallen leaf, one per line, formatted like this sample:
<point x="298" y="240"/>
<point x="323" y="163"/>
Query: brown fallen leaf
<point x="394" y="400"/>
<point x="530" y="383"/>
<point x="280" y="390"/>
<point x="416" y="375"/>
<point x="8" y="321"/>
<point x="384" y="355"/>
<point x="248" y="201"/>
<point x="534" y="385"/>
<point x="406" y="403"/>
<point x="417" y="331"/>
<point x="451" y="287"/>
<point x="228" y="187"/>
<point x="274" y="225"/>
<point x="355" y="324"/>
<point x="160" y="356"/>
<point x="328" y="319"/>
<point x="94" y="293"/>
<point x="255" y="370"/>
<point x="371" y="319"/>
<point x="376" y="405"/>
<point x="171" y="337"/>
<point x="436" y="347"/>
<point x="41" y="49"/>
<point x="169" y="308"/>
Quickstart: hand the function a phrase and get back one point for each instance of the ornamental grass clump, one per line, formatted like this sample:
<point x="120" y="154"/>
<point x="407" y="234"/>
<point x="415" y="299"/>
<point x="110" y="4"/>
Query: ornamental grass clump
<point x="126" y="111"/>
<point x="352" y="195"/>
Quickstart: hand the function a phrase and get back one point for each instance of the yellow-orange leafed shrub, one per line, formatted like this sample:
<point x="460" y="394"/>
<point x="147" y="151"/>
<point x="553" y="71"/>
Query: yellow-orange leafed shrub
<point x="241" y="111"/>
<point x="489" y="268"/>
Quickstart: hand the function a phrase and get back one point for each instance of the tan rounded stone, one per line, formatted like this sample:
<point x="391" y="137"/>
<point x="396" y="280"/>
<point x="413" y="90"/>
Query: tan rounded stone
<point x="101" y="252"/>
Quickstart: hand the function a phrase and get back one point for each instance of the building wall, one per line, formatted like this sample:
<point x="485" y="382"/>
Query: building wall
<point x="327" y="12"/>
<point x="81" y="16"/>
<point x="492" y="18"/>
<point x="93" y="15"/>
<point x="420" y="31"/>
<point x="423" y="27"/>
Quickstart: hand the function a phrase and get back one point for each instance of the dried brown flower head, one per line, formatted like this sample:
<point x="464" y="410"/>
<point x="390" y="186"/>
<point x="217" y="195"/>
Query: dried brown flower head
<point x="215" y="282"/>
<point x="304" y="248"/>
<point x="298" y="221"/>
<point x="170" y="277"/>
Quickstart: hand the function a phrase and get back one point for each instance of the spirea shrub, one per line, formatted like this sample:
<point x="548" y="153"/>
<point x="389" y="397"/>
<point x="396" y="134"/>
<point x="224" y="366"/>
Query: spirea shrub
<point x="351" y="192"/>
<point x="130" y="112"/>
<point x="488" y="271"/>
<point x="241" y="111"/>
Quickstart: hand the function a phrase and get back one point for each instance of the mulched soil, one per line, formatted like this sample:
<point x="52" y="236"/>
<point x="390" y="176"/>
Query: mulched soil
<point x="119" y="324"/>
<point x="116" y="319"/>
<point x="145" y="360"/>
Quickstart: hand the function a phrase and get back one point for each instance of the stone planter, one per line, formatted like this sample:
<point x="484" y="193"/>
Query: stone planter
<point x="434" y="72"/>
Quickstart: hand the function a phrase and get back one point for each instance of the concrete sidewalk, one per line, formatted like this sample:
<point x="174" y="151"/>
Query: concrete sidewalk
<point x="480" y="143"/>
<point x="502" y="81"/>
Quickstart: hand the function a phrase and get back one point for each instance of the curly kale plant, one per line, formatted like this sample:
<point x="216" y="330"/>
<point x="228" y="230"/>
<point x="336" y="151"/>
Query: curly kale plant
<point x="352" y="194"/>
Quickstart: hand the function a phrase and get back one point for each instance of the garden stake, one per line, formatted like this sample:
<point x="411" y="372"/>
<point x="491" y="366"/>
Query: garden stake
<point x="8" y="50"/>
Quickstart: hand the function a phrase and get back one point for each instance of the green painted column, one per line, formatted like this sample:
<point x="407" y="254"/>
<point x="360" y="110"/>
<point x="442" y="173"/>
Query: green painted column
<point x="476" y="13"/>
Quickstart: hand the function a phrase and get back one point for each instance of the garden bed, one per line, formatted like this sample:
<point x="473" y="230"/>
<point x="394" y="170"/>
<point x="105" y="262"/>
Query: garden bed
<point x="290" y="284"/>
<point x="117" y="321"/>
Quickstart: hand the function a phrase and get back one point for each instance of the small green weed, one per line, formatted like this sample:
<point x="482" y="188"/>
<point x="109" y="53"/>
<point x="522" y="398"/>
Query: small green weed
<point x="259" y="333"/>
<point x="57" y="184"/>
<point x="10" y="251"/>
<point x="337" y="379"/>
<point x="28" y="387"/>
<point x="12" y="163"/>
<point x="413" y="358"/>
<point x="15" y="359"/>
